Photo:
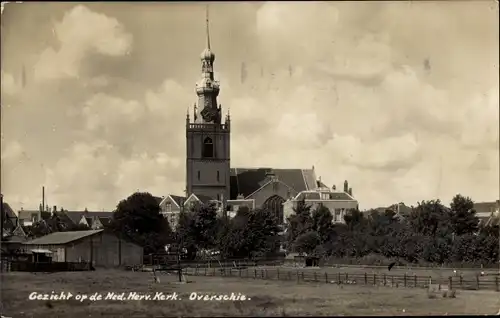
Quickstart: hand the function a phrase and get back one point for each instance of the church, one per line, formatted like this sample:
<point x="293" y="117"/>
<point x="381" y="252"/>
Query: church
<point x="210" y="178"/>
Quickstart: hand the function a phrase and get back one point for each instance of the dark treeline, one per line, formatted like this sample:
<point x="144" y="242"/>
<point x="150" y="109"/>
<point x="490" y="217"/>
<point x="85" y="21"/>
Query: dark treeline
<point x="430" y="233"/>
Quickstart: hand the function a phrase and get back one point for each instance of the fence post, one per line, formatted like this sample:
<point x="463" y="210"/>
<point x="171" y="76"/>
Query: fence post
<point x="298" y="276"/>
<point x="392" y="280"/>
<point x="302" y="274"/>
<point x="214" y="271"/>
<point x="374" y="279"/>
<point x="404" y="280"/>
<point x="346" y="277"/>
<point x="385" y="280"/>
<point x="230" y="272"/>
<point x="239" y="272"/>
<point x="205" y="271"/>
<point x="477" y="281"/>
<point x="462" y="280"/>
<point x="366" y="278"/>
<point x="415" y="279"/>
<point x="254" y="273"/>
<point x="196" y="269"/>
<point x="496" y="283"/>
<point x="450" y="283"/>
<point x="261" y="273"/>
<point x="278" y="273"/>
<point x="315" y="277"/>
<point x="265" y="273"/>
<point x="338" y="278"/>
<point x="326" y="279"/>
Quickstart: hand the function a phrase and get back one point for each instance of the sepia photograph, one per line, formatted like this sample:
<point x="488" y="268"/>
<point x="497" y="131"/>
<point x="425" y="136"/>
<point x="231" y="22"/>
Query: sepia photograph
<point x="239" y="159"/>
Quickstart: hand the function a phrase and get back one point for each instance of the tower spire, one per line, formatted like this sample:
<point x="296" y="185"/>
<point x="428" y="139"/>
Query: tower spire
<point x="208" y="28"/>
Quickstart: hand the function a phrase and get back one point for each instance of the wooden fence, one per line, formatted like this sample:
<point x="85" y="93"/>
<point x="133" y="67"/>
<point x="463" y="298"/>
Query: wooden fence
<point x="364" y="279"/>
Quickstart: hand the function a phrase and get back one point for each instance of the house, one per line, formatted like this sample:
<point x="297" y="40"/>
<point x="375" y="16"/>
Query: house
<point x="96" y="222"/>
<point x="170" y="207"/>
<point x="487" y="212"/>
<point x="400" y="209"/>
<point x="101" y="248"/>
<point x="10" y="220"/>
<point x="76" y="216"/>
<point x="13" y="240"/>
<point x="29" y="217"/>
<point x="338" y="202"/>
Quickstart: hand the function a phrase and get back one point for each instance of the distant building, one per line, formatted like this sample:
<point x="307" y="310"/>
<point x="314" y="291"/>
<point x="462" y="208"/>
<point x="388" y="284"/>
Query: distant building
<point x="10" y="219"/>
<point x="488" y="212"/>
<point x="99" y="247"/>
<point x="401" y="210"/>
<point x="338" y="202"/>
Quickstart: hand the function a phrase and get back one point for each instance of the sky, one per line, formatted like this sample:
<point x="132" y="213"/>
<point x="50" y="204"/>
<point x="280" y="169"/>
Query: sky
<point x="399" y="98"/>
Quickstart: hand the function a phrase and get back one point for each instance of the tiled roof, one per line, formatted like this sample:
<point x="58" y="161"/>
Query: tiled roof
<point x="76" y="216"/>
<point x="158" y="199"/>
<point x="486" y="206"/>
<point x="204" y="198"/>
<point x="341" y="196"/>
<point x="8" y="211"/>
<point x="62" y="237"/>
<point x="104" y="220"/>
<point x="246" y="181"/>
<point x="178" y="199"/>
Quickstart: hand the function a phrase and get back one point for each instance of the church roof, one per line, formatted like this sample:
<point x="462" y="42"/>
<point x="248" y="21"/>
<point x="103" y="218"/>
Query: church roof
<point x="246" y="181"/>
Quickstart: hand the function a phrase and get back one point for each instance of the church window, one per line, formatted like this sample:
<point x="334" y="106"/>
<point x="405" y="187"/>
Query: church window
<point x="199" y="175"/>
<point x="218" y="176"/>
<point x="208" y="148"/>
<point x="168" y="207"/>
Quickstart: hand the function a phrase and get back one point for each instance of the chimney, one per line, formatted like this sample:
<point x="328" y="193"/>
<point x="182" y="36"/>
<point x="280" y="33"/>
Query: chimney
<point x="54" y="209"/>
<point x="334" y="187"/>
<point x="350" y="192"/>
<point x="270" y="175"/>
<point x="346" y="186"/>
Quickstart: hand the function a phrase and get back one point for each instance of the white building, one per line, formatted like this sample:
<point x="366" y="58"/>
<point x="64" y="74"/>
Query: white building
<point x="338" y="202"/>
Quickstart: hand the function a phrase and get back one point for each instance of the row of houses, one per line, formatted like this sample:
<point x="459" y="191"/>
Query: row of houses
<point x="338" y="202"/>
<point x="488" y="213"/>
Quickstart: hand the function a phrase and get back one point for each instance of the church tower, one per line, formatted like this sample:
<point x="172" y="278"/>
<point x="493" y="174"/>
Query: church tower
<point x="207" y="137"/>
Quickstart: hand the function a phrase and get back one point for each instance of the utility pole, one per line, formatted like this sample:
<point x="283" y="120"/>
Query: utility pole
<point x="1" y="216"/>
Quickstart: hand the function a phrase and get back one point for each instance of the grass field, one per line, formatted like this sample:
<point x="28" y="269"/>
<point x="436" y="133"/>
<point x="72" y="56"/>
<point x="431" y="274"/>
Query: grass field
<point x="265" y="298"/>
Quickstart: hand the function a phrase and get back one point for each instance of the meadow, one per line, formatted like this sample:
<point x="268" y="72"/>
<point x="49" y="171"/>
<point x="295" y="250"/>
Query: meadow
<point x="263" y="297"/>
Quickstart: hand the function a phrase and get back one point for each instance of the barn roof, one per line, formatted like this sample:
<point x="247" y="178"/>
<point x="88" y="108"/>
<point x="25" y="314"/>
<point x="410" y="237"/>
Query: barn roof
<point x="62" y="237"/>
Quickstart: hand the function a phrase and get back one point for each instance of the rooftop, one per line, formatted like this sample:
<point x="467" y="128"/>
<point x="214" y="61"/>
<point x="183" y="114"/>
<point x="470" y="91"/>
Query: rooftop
<point x="62" y="237"/>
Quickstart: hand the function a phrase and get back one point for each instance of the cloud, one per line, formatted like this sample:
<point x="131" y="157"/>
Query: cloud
<point x="401" y="102"/>
<point x="80" y="33"/>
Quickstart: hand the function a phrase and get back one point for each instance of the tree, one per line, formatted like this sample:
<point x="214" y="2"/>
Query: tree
<point x="299" y="222"/>
<point x="463" y="217"/>
<point x="307" y="242"/>
<point x="429" y="218"/>
<point x="354" y="219"/>
<point x="322" y="220"/>
<point x="138" y="218"/>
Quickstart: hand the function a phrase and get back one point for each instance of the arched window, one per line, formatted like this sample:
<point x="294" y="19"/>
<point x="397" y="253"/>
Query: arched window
<point x="275" y="205"/>
<point x="208" y="148"/>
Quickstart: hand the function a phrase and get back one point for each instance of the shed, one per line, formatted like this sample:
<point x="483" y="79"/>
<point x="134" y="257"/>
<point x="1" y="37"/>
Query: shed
<point x="99" y="247"/>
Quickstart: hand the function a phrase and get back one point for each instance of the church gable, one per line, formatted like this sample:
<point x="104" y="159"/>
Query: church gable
<point x="247" y="181"/>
